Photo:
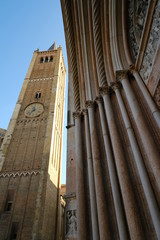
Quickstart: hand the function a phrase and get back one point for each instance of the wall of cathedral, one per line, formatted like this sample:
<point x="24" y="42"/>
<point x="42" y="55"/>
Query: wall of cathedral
<point x="113" y="119"/>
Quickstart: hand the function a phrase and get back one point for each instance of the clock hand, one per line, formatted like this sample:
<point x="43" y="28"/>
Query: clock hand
<point x="33" y="109"/>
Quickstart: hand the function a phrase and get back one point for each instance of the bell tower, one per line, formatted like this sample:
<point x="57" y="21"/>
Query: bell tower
<point x="30" y="155"/>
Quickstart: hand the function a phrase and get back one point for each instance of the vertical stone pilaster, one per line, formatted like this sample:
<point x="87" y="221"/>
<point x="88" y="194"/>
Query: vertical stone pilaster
<point x="147" y="140"/>
<point x="93" y="203"/>
<point x="100" y="194"/>
<point x="152" y="204"/>
<point x="80" y="193"/>
<point x="130" y="206"/>
<point x="122" y="228"/>
<point x="147" y="96"/>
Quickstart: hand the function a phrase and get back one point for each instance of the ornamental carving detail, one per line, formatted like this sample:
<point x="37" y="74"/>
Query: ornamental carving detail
<point x="19" y="174"/>
<point x="152" y="45"/>
<point x="71" y="223"/>
<point x="157" y="95"/>
<point x="105" y="90"/>
<point x="89" y="104"/>
<point x="99" y="99"/>
<point x="116" y="85"/>
<point x="85" y="111"/>
<point x="77" y="115"/>
<point x="121" y="74"/>
<point x="137" y="10"/>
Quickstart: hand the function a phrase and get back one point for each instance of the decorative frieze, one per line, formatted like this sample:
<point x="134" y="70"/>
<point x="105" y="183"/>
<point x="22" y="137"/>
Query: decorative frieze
<point x="19" y="173"/>
<point x="152" y="45"/>
<point x="40" y="79"/>
<point x="136" y="17"/>
<point x="25" y="121"/>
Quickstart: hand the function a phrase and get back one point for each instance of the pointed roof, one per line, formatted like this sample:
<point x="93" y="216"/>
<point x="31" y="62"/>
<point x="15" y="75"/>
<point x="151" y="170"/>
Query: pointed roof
<point x="53" y="47"/>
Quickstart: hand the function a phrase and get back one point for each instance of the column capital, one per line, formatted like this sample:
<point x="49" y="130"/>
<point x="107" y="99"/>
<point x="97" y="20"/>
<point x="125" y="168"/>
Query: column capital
<point x="99" y="99"/>
<point x="105" y="90"/>
<point x="85" y="111"/>
<point x="89" y="104"/>
<point x="116" y="85"/>
<point x="132" y="69"/>
<point x="77" y="115"/>
<point x="121" y="74"/>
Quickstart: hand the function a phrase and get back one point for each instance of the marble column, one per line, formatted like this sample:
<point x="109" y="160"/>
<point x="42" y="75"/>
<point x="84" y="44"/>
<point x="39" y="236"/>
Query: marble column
<point x="147" y="140"/>
<point x="103" y="220"/>
<point x="121" y="222"/>
<point x="151" y="201"/>
<point x="80" y="193"/>
<point x="152" y="106"/>
<point x="94" y="217"/>
<point x="128" y="197"/>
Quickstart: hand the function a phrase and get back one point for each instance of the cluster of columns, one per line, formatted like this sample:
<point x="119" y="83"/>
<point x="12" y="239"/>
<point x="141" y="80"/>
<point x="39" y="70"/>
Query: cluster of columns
<point x="127" y="215"/>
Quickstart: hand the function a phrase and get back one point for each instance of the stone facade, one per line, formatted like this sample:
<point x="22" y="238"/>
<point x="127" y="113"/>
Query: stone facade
<point x="113" y="167"/>
<point x="30" y="161"/>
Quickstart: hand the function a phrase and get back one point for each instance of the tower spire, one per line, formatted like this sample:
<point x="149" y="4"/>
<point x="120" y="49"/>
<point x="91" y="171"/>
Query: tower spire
<point x="53" y="47"/>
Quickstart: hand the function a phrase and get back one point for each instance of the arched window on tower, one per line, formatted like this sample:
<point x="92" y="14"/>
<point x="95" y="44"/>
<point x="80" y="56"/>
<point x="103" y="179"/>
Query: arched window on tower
<point x="46" y="59"/>
<point x="38" y="95"/>
<point x="51" y="59"/>
<point x="41" y="60"/>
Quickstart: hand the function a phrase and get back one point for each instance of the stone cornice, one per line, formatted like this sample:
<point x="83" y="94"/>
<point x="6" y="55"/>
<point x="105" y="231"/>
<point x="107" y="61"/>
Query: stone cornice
<point x="121" y="74"/>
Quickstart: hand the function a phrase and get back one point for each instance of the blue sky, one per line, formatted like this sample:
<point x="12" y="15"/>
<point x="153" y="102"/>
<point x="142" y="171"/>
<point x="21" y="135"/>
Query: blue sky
<point x="25" y="26"/>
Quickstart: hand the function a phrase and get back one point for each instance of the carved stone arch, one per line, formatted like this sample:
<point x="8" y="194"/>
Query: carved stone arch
<point x="120" y="14"/>
<point x="96" y="17"/>
<point x="72" y="61"/>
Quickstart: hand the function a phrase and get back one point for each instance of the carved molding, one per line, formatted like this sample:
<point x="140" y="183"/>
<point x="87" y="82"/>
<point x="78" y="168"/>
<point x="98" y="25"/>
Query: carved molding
<point x="121" y="74"/>
<point x="19" y="174"/>
<point x="137" y="11"/>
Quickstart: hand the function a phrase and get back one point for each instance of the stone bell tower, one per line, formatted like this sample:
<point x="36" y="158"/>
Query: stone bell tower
<point x="30" y="155"/>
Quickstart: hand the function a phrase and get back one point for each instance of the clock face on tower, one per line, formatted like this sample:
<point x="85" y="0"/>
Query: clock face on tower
<point x="34" y="110"/>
